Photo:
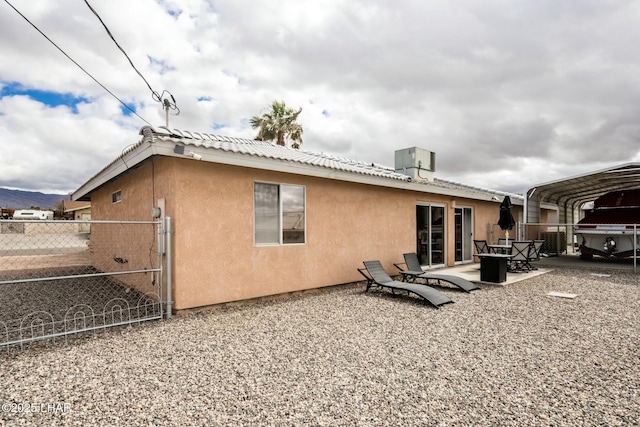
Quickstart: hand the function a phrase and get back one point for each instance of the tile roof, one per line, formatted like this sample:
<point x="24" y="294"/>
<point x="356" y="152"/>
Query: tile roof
<point x="443" y="183"/>
<point x="269" y="150"/>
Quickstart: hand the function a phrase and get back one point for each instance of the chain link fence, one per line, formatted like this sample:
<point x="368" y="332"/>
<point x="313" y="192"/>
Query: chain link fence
<point x="61" y="278"/>
<point x="596" y="243"/>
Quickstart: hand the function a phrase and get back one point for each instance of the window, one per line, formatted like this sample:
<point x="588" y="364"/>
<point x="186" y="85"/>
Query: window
<point x="116" y="197"/>
<point x="279" y="214"/>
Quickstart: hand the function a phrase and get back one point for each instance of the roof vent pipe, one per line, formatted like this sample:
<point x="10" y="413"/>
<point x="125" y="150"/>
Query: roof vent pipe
<point x="147" y="134"/>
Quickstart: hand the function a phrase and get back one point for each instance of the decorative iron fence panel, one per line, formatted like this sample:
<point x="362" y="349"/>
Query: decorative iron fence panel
<point x="61" y="278"/>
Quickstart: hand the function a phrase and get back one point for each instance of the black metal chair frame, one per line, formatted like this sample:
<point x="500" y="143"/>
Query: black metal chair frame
<point x="534" y="253"/>
<point x="520" y="256"/>
<point x="414" y="272"/>
<point x="481" y="246"/>
<point x="376" y="275"/>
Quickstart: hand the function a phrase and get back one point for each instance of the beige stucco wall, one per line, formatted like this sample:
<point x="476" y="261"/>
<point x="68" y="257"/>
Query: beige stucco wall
<point x="217" y="261"/>
<point x="214" y="257"/>
<point x="135" y="243"/>
<point x="82" y="214"/>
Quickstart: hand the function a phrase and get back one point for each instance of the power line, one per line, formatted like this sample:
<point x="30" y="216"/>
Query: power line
<point x="154" y="94"/>
<point x="78" y="65"/>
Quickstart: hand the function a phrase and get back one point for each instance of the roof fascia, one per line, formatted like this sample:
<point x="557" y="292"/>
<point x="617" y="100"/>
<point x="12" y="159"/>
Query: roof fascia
<point x="122" y="164"/>
<point x="78" y="209"/>
<point x="256" y="162"/>
<point x="146" y="149"/>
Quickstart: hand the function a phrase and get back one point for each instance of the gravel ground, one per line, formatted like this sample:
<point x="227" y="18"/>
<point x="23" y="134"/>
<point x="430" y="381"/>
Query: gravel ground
<point x="508" y="356"/>
<point x="57" y="296"/>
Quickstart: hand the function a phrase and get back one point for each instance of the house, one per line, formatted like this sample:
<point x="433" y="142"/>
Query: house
<point x="253" y="218"/>
<point x="76" y="210"/>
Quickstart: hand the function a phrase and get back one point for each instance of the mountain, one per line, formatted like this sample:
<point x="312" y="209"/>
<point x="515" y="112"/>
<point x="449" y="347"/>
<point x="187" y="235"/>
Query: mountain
<point x="18" y="199"/>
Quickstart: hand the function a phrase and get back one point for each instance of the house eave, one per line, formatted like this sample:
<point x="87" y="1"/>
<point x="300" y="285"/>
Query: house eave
<point x="122" y="164"/>
<point x="147" y="148"/>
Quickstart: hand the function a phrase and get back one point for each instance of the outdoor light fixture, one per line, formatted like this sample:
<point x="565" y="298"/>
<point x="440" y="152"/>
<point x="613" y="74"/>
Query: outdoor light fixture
<point x="179" y="149"/>
<point x="195" y="156"/>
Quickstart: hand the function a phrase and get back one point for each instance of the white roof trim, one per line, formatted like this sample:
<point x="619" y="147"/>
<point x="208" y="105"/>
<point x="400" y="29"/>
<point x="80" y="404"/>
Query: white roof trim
<point x="268" y="156"/>
<point x="78" y="208"/>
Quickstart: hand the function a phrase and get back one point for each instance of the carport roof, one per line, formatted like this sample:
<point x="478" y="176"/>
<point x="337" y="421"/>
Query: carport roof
<point x="584" y="188"/>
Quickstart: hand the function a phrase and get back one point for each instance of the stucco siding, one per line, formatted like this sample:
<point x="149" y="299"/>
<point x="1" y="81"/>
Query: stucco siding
<point x="215" y="259"/>
<point x="137" y="244"/>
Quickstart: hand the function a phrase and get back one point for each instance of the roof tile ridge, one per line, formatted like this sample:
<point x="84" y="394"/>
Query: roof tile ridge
<point x="201" y="136"/>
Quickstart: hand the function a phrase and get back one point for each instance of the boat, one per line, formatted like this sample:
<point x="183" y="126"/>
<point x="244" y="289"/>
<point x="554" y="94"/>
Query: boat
<point x="608" y="230"/>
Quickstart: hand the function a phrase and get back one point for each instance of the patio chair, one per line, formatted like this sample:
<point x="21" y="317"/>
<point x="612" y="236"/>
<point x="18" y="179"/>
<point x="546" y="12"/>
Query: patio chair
<point x="481" y="246"/>
<point x="520" y="257"/>
<point x="414" y="272"/>
<point x="534" y="252"/>
<point x="376" y="275"/>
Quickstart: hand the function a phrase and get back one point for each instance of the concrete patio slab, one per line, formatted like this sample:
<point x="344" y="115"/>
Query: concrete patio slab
<point x="471" y="272"/>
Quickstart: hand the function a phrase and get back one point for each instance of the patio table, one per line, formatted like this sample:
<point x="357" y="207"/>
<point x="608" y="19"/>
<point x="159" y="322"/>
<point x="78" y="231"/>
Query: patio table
<point x="493" y="267"/>
<point x="500" y="249"/>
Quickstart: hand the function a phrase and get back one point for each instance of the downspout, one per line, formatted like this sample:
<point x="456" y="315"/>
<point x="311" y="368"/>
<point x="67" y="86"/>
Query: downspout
<point x="168" y="261"/>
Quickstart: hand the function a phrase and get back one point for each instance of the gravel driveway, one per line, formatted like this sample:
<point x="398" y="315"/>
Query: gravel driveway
<point x="508" y="356"/>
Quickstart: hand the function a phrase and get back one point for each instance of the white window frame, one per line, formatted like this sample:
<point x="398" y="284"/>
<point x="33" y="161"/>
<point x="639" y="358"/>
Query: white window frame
<point x="116" y="197"/>
<point x="280" y="241"/>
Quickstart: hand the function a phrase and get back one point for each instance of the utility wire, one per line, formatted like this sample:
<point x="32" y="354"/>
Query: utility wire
<point x="154" y="94"/>
<point x="78" y="65"/>
<point x="119" y="47"/>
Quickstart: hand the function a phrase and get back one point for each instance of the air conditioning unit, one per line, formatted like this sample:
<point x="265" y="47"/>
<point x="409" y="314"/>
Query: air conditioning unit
<point x="417" y="163"/>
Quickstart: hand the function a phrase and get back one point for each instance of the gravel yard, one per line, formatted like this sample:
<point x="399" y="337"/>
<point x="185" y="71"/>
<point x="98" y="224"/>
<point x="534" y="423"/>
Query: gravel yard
<point x="508" y="356"/>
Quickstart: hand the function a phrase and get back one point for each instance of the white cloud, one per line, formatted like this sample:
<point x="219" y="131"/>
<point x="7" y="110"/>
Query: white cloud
<point x="508" y="94"/>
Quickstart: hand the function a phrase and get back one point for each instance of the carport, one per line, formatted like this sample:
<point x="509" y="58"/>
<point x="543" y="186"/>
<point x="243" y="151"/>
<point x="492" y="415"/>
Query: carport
<point x="570" y="194"/>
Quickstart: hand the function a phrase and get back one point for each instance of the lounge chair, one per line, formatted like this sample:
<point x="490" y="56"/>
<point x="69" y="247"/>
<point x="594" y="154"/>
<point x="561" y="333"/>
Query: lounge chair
<point x="414" y="272"/>
<point x="376" y="275"/>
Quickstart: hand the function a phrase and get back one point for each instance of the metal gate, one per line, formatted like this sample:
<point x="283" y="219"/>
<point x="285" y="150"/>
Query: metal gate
<point x="61" y="278"/>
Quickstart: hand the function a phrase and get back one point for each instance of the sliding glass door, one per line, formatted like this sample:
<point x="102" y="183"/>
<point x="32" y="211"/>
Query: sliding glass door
<point x="431" y="241"/>
<point x="463" y="235"/>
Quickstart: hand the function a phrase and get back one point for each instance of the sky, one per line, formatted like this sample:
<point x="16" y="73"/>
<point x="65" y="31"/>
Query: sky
<point x="507" y="93"/>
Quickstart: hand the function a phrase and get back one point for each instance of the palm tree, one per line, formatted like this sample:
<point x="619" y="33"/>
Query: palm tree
<point x="279" y="124"/>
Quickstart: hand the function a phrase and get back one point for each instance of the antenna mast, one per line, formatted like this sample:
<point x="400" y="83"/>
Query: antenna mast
<point x="166" y="106"/>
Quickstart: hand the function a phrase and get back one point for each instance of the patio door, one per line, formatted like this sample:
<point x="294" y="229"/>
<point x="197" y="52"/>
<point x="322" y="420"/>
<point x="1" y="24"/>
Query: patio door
<point x="463" y="235"/>
<point x="430" y="236"/>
